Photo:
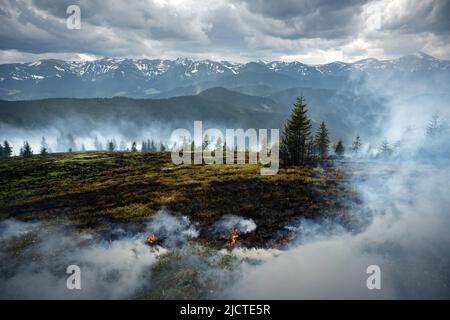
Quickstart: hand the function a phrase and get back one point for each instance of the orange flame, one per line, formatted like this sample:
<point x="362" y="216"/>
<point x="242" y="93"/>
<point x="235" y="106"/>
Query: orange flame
<point x="151" y="239"/>
<point x="234" y="235"/>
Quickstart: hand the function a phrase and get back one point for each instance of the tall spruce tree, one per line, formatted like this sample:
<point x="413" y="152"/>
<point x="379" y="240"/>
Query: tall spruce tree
<point x="322" y="141"/>
<point x="296" y="136"/>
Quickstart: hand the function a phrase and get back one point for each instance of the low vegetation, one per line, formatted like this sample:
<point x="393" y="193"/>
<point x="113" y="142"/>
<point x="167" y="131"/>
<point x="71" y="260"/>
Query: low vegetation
<point x="97" y="190"/>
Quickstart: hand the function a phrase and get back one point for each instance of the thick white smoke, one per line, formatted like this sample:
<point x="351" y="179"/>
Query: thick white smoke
<point x="36" y="256"/>
<point x="406" y="216"/>
<point x="408" y="239"/>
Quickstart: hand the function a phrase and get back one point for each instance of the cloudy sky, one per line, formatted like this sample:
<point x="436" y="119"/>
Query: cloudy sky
<point x="237" y="30"/>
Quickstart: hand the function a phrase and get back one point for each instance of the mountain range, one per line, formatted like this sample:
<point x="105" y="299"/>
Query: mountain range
<point x="138" y="98"/>
<point x="157" y="78"/>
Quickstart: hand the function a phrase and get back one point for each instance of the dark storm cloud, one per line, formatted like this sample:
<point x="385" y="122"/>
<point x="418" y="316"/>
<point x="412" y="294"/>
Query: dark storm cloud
<point x="322" y="18"/>
<point x="40" y="26"/>
<point x="226" y="29"/>
<point x="146" y="17"/>
<point x="417" y="16"/>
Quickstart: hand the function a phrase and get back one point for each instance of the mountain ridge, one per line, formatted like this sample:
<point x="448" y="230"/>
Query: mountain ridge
<point x="140" y="78"/>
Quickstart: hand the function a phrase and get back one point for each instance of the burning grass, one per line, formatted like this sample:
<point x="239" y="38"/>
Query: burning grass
<point x="234" y="235"/>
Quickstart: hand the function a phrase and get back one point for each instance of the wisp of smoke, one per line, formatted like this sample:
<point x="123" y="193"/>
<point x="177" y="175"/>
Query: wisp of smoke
<point x="170" y="229"/>
<point x="12" y="228"/>
<point x="232" y="222"/>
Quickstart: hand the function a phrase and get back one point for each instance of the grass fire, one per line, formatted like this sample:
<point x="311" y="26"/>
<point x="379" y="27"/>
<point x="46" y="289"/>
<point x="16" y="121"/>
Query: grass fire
<point x="234" y="235"/>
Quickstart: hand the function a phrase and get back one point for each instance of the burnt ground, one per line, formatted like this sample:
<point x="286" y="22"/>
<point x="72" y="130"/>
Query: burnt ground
<point x="98" y="191"/>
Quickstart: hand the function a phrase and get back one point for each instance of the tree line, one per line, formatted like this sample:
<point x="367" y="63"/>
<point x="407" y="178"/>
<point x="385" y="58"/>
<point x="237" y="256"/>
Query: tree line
<point x="25" y="151"/>
<point x="299" y="146"/>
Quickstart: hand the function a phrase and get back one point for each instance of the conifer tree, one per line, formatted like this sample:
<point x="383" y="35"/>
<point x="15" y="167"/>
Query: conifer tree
<point x="356" y="145"/>
<point x="218" y="144"/>
<point x="111" y="146"/>
<point x="7" y="150"/>
<point x="44" y="147"/>
<point x="311" y="149"/>
<point x="44" y="143"/>
<point x="133" y="147"/>
<point x="339" y="149"/>
<point x="296" y="135"/>
<point x="115" y="145"/>
<point x="43" y="151"/>
<point x="2" y="154"/>
<point x="434" y="126"/>
<point x="385" y="148"/>
<point x="97" y="144"/>
<point x="26" y="150"/>
<point x="71" y="142"/>
<point x="322" y="141"/>
<point x="206" y="142"/>
<point x="151" y="146"/>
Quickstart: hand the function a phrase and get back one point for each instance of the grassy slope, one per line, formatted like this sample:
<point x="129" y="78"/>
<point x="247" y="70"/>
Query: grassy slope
<point x="94" y="189"/>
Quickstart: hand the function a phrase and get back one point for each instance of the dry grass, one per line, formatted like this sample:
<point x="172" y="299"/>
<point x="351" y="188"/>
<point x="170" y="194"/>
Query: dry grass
<point x="92" y="187"/>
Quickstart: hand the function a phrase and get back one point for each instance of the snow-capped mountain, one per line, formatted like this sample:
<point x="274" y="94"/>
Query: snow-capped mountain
<point x="163" y="78"/>
<point x="113" y="68"/>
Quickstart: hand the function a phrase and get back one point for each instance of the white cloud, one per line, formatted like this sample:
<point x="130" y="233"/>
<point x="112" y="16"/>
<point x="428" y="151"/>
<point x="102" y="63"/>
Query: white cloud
<point x="229" y="30"/>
